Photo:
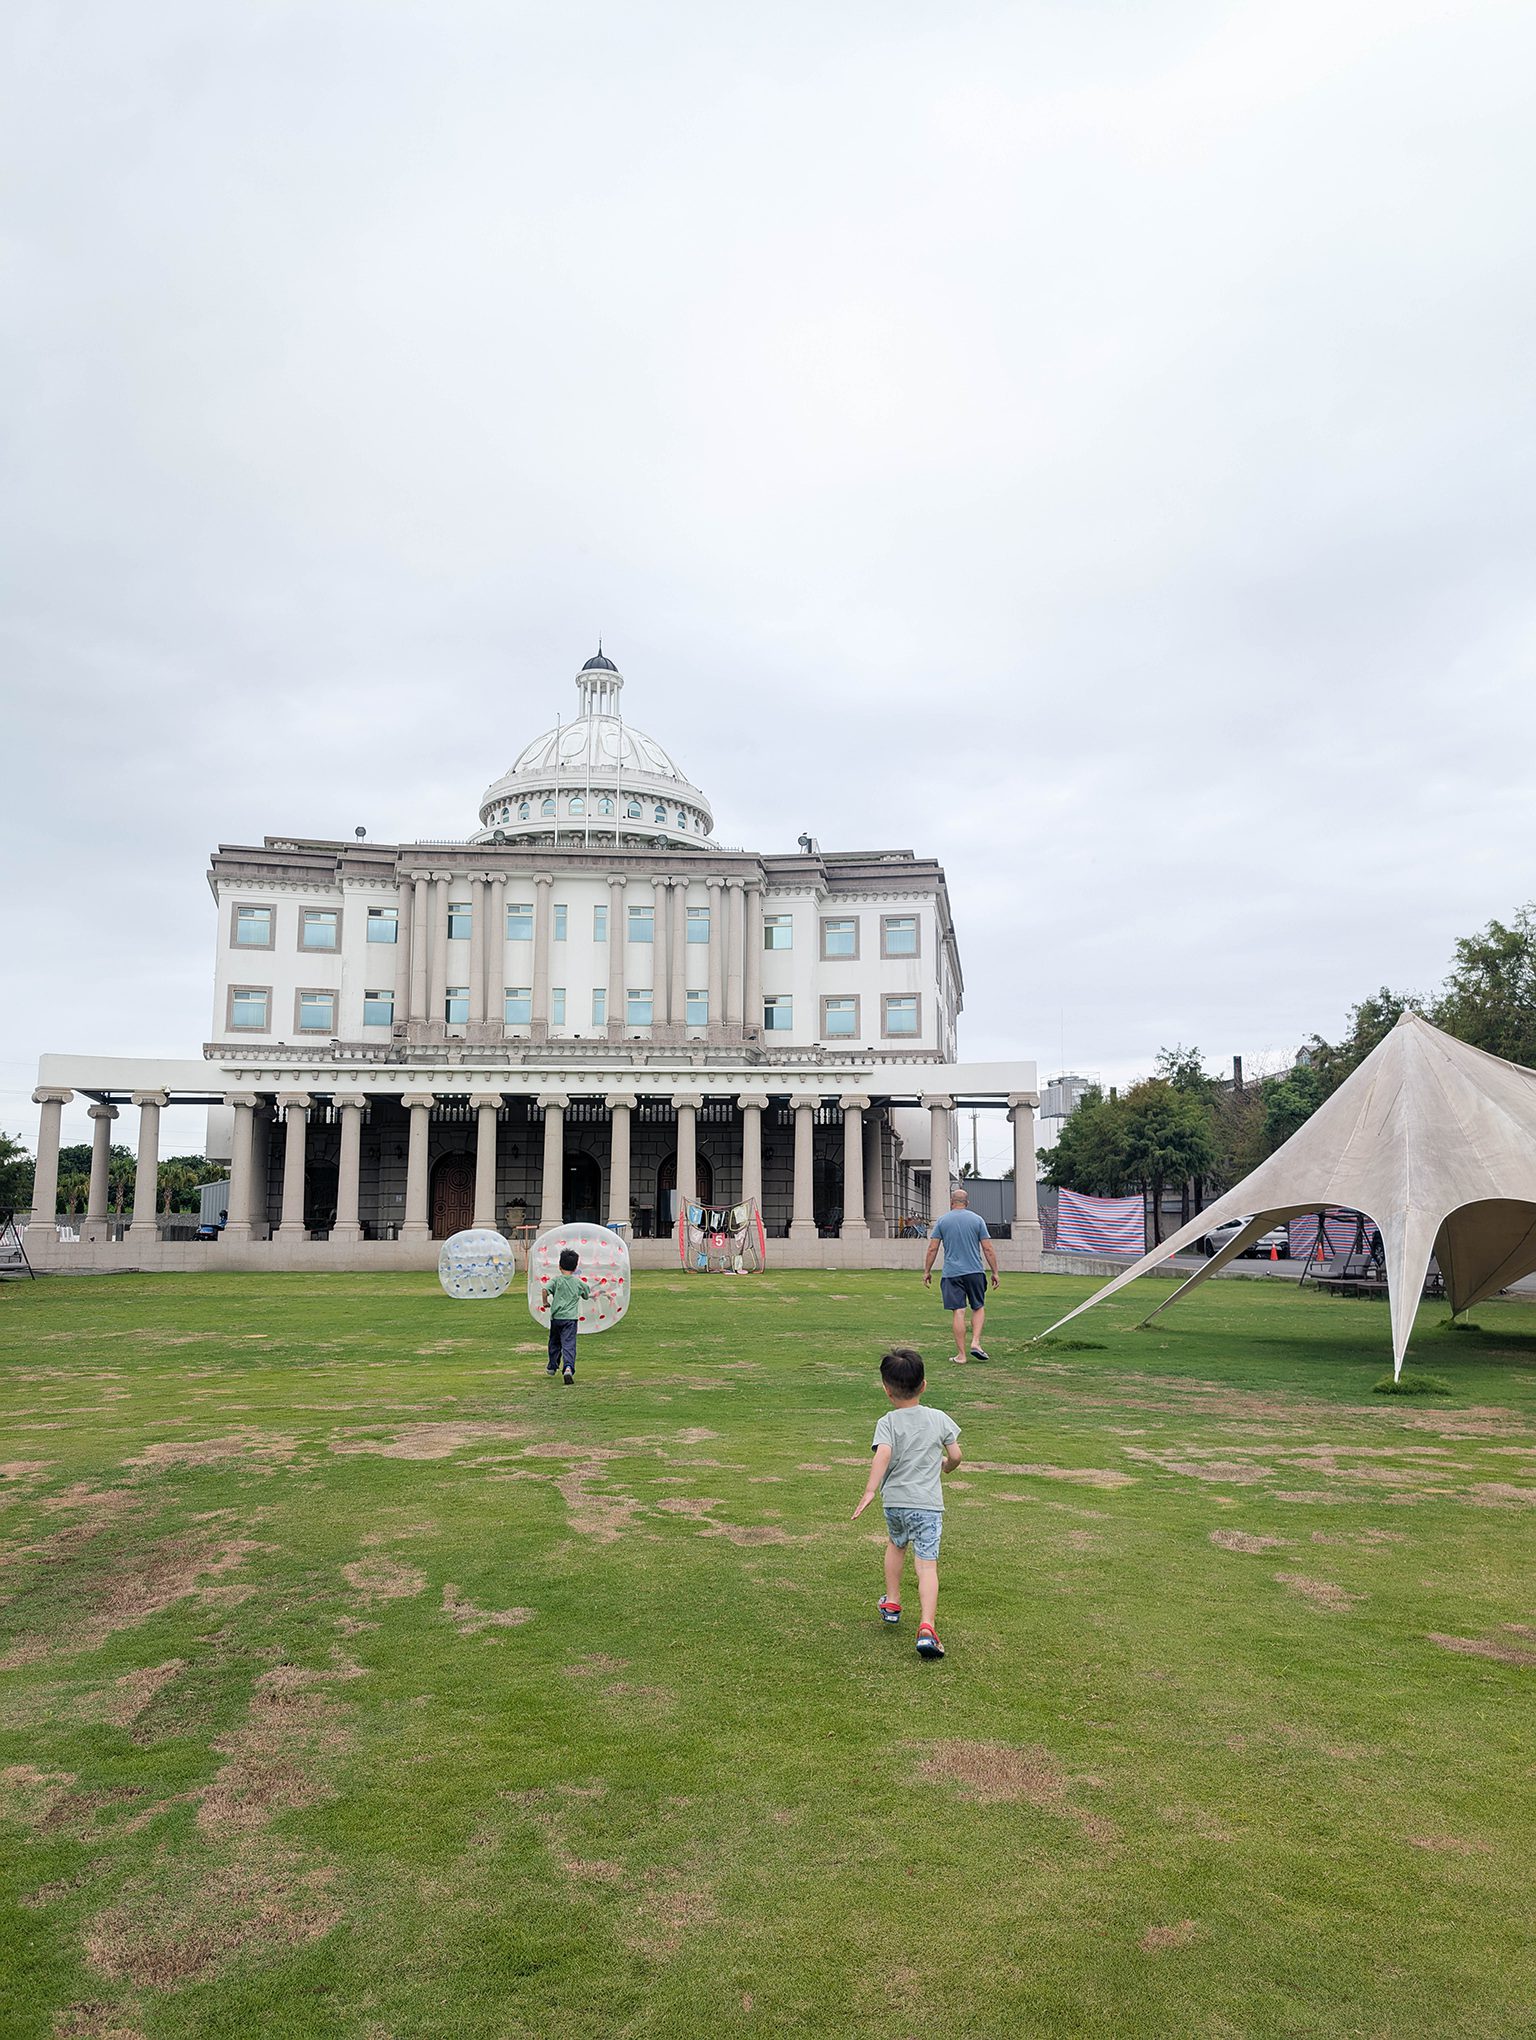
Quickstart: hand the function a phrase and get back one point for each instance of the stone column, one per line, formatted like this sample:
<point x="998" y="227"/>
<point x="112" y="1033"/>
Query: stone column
<point x="437" y="989"/>
<point x="680" y="953"/>
<point x="487" y="1104"/>
<point x="95" y="1227"/>
<point x="402" y="977"/>
<point x="751" y="1104"/>
<point x="620" y="1105"/>
<point x="347" y="1229"/>
<point x="735" y="959"/>
<point x="855" y="1224"/>
<point x="419" y="950"/>
<point x="477" y="893"/>
<point x="146" y="1176"/>
<point x="618" y="936"/>
<point x="802" y="1225"/>
<point x="874" y="1173"/>
<point x="716" y="954"/>
<point x="496" y="954"/>
<point x="45" y="1173"/>
<point x="552" y="1198"/>
<point x="686" y="1105"/>
<point x="542" y="882"/>
<point x="241" y="1155"/>
<point x="1026" y="1194"/>
<point x="418" y="1224"/>
<point x="939" y="1110"/>
<point x="754" y="957"/>
<point x="295" y="1106"/>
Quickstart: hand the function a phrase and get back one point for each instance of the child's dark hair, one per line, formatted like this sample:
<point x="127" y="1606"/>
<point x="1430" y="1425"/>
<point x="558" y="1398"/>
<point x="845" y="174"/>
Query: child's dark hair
<point x="569" y="1259"/>
<point x="902" y="1370"/>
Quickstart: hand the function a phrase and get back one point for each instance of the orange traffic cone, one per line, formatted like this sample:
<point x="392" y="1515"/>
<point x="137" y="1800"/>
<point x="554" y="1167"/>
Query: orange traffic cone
<point x="1274" y="1253"/>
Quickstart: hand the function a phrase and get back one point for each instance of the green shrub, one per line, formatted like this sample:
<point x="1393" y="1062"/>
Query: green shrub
<point x="1415" y="1384"/>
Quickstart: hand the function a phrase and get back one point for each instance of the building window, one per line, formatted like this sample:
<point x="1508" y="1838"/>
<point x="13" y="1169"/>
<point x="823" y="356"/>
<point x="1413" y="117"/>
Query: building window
<point x="778" y="1015"/>
<point x="777" y="931"/>
<point x="547" y="804"/>
<point x="249" y="1006"/>
<point x="682" y="819"/>
<point x="517" y="1008"/>
<point x="899" y="1014"/>
<point x="519" y="924"/>
<point x="599" y="924"/>
<point x="316" y="1012"/>
<point x="660" y="818"/>
<point x="633" y="810"/>
<point x="378" y="1009"/>
<point x="557" y="1005"/>
<point x="524" y="811"/>
<point x="599" y="1005"/>
<point x="839" y="1019"/>
<point x="605" y="805"/>
<point x="642" y="924"/>
<point x="697" y="1009"/>
<point x="319" y="928"/>
<point x="698" y="924"/>
<point x="252" y="928"/>
<point x="576" y="805"/>
<point x="460" y="920"/>
<point x="383" y="924"/>
<point x="637" y="1009"/>
<point x="839" y="938"/>
<point x="898" y="935"/>
<point x="456" y="1005"/>
<point x="561" y="916"/>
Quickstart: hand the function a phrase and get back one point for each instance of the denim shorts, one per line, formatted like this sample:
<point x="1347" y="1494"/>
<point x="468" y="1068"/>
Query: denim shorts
<point x="921" y="1528"/>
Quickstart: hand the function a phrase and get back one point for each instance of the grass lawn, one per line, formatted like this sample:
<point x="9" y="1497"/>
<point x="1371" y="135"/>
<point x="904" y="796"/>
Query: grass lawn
<point x="362" y="1681"/>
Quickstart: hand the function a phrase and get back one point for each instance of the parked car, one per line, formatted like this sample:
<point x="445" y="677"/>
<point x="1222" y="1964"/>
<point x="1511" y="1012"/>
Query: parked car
<point x="1277" y="1238"/>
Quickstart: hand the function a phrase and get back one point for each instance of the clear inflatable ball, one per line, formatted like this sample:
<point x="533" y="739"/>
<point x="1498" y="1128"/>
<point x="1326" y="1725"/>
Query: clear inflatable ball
<point x="476" y="1266"/>
<point x="602" y="1263"/>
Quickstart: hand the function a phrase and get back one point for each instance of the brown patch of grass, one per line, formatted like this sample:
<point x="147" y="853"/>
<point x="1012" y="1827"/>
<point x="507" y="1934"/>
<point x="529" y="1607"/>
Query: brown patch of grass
<point x="24" y="1469"/>
<point x="689" y="1505"/>
<point x="1320" y="1593"/>
<point x="1226" y="1472"/>
<point x="470" y="1620"/>
<point x="696" y="1435"/>
<point x="1082" y="1476"/>
<point x="185" y="1919"/>
<point x="990" y="1773"/>
<point x="212" y="1451"/>
<point x="430" y="1441"/>
<point x="292" y="1725"/>
<point x="602" y="1517"/>
<point x="1500" y="1494"/>
<point x="126" y="1699"/>
<point x="590" y="1667"/>
<point x="746" y="1533"/>
<point x="665" y="1913"/>
<point x="1157" y="1940"/>
<point x="651" y="1699"/>
<point x="92" y="2021"/>
<point x="1475" y="1646"/>
<point x="1451" y="1845"/>
<point x="28" y="1795"/>
<point x="384" y="1579"/>
<point x="1243" y="1540"/>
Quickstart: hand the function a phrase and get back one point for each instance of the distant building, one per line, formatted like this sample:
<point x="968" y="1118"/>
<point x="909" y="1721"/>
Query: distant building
<point x="1059" y="1099"/>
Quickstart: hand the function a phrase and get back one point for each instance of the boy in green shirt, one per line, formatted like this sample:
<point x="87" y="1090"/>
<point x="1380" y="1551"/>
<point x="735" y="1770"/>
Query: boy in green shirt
<point x="562" y="1298"/>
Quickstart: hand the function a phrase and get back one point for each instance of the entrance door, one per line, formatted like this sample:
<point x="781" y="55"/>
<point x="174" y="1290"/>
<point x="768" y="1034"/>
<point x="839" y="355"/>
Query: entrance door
<point x="583" y="1190"/>
<point x="320" y="1181"/>
<point x="453" y="1195"/>
<point x="666" y="1189"/>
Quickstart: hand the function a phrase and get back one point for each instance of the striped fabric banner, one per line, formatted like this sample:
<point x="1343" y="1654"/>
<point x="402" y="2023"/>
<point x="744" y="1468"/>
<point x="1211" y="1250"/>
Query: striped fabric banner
<point x="1100" y="1225"/>
<point x="1340" y="1229"/>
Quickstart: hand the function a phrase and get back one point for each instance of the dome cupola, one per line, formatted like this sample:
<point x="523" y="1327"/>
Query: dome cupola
<point x="595" y="780"/>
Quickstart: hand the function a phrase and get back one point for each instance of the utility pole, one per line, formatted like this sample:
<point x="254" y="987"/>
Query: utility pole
<point x="975" y="1165"/>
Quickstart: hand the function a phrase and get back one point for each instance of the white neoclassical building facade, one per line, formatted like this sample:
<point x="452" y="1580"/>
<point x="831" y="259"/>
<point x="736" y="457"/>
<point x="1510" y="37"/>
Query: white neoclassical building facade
<point x="587" y="1008"/>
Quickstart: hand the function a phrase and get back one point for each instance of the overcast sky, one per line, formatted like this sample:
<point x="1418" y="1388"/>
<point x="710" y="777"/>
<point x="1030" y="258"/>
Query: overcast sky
<point x="1091" y="443"/>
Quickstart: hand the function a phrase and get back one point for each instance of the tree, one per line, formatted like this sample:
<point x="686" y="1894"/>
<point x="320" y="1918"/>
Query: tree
<point x="1167" y="1139"/>
<point x="180" y="1177"/>
<point x="1287" y="1103"/>
<point x="15" y="1175"/>
<point x="1369" y="1024"/>
<point x="1184" y="1069"/>
<point x="1090" y="1155"/>
<point x="1489" y="997"/>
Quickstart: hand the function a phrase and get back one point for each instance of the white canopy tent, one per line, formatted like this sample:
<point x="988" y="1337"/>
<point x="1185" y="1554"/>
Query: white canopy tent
<point x="1431" y="1139"/>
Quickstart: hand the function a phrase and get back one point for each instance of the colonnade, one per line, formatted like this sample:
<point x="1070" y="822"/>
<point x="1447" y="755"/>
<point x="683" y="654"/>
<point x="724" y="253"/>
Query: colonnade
<point x="733" y="963"/>
<point x="864" y="1214"/>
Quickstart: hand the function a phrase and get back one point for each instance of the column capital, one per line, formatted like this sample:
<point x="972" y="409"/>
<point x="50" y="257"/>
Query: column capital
<point x="418" y="1101"/>
<point x="350" y="1104"/>
<point x="804" y="1104"/>
<point x="144" y="1097"/>
<point x="854" y="1101"/>
<point x="714" y="881"/>
<point x="757" y="1098"/>
<point x="294" y="1100"/>
<point x="480" y="1099"/>
<point x="737" y="882"/>
<point x="617" y="878"/>
<point x="691" y="1100"/>
<point x="250" y="1098"/>
<point x="101" y="1112"/>
<point x="543" y="878"/>
<point x="937" y="1102"/>
<point x="553" y="1101"/>
<point x="54" y="1094"/>
<point x="625" y="1101"/>
<point x="1016" y="1099"/>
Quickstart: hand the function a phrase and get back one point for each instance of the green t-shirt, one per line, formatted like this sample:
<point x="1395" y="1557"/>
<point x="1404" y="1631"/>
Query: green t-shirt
<point x="565" y="1293"/>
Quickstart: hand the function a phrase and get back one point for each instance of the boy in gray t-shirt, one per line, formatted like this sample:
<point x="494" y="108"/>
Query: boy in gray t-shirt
<point x="913" y="1449"/>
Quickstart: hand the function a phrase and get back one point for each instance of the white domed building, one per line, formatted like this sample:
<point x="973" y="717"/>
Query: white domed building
<point x="587" y="1008"/>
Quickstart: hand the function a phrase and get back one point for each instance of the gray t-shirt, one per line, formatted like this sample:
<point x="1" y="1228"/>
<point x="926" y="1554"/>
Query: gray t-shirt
<point x="962" y="1233"/>
<point x="917" y="1438"/>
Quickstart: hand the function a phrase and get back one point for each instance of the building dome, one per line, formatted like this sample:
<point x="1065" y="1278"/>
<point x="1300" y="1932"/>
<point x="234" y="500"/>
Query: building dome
<point x="595" y="779"/>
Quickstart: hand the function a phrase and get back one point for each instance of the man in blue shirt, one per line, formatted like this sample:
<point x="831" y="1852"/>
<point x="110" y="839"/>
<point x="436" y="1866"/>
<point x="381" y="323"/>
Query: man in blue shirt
<point x="968" y="1255"/>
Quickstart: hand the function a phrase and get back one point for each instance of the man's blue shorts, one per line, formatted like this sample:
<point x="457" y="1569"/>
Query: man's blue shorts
<point x="921" y="1528"/>
<point x="958" y="1290"/>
